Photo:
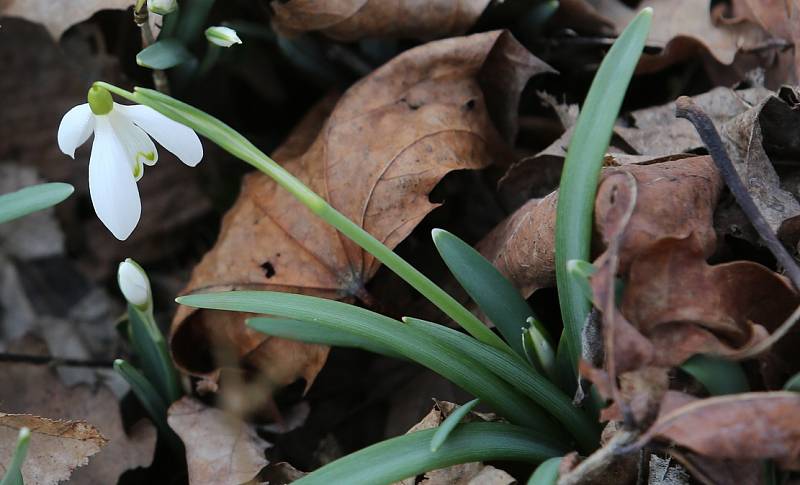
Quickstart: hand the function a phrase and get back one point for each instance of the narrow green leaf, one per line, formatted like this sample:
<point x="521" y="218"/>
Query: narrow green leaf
<point x="793" y="384"/>
<point x="719" y="376"/>
<point x="580" y="271"/>
<point x="537" y="346"/>
<point x="546" y="473"/>
<point x="543" y="392"/>
<point x="238" y="146"/>
<point x="449" y="424"/>
<point x="409" y="455"/>
<point x="462" y="369"/>
<point x="192" y="19"/>
<point x="32" y="199"/>
<point x="151" y="348"/>
<point x="582" y="169"/>
<point x="492" y="291"/>
<point x="163" y="54"/>
<point x="314" y="333"/>
<point x="13" y="475"/>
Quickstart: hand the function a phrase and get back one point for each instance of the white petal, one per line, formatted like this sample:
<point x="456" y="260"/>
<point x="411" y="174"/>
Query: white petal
<point x="175" y="137"/>
<point x="111" y="183"/>
<point x="75" y="128"/>
<point x="139" y="148"/>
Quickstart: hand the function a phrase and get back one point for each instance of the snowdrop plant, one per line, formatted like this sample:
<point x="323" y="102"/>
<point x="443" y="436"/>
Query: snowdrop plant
<point x="122" y="147"/>
<point x="511" y="372"/>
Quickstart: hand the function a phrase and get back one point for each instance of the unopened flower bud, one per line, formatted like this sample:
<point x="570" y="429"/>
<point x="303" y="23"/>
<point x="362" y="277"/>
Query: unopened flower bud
<point x="222" y="36"/>
<point x="162" y="7"/>
<point x="133" y="283"/>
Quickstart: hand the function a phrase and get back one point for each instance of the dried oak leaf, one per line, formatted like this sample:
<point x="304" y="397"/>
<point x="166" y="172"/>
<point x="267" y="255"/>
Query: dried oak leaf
<point x="58" y="15"/>
<point x="384" y="146"/>
<point x="350" y="20"/>
<point x="685" y="306"/>
<point x="475" y="473"/>
<point x="677" y="197"/>
<point x="220" y="448"/>
<point x="56" y="448"/>
<point x="37" y="389"/>
<point x="747" y="426"/>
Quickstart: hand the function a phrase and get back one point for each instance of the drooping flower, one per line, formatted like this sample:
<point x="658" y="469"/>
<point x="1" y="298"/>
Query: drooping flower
<point x="120" y="150"/>
<point x="222" y="36"/>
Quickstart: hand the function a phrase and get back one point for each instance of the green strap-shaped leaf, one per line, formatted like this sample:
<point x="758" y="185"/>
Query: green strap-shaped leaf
<point x="163" y="54"/>
<point x="32" y="199"/>
<point x="538" y="349"/>
<point x="409" y="455"/>
<point x="487" y="287"/>
<point x="449" y="424"/>
<point x="582" y="170"/>
<point x="535" y="386"/>
<point x="151" y="348"/>
<point x="13" y="475"/>
<point x="719" y="376"/>
<point x="462" y="369"/>
<point x="314" y="333"/>
<point x="546" y="473"/>
<point x="793" y="384"/>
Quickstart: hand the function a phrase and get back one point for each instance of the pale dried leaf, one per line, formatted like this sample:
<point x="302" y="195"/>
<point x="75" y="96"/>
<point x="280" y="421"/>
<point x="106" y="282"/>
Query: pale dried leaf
<point x="56" y="448"/>
<point x="58" y="15"/>
<point x="220" y="448"/>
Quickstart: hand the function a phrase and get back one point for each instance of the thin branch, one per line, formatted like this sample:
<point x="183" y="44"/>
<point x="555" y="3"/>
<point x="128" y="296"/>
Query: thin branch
<point x="55" y="361"/>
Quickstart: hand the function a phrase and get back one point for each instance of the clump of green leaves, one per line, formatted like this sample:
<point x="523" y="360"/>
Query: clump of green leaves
<point x="514" y="374"/>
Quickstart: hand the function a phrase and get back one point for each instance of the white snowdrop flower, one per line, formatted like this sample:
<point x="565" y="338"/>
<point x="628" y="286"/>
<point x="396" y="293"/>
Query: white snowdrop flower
<point x="162" y="7"/>
<point x="133" y="283"/>
<point x="222" y="36"/>
<point x="120" y="151"/>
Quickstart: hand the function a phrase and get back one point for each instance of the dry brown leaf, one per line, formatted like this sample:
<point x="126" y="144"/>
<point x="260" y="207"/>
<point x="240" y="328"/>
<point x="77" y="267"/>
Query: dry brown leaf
<point x="745" y="426"/>
<point x="681" y="28"/>
<point x="677" y="198"/>
<point x="220" y="448"/>
<point x="475" y="473"/>
<point x="349" y="20"/>
<point x="740" y="301"/>
<point x="56" y="447"/>
<point x="58" y="15"/>
<point x="772" y="121"/>
<point x="37" y="389"/>
<point x="374" y="155"/>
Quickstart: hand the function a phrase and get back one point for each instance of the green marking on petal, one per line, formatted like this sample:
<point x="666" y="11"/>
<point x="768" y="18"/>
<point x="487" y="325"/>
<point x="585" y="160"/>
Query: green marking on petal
<point x="145" y="157"/>
<point x="138" y="169"/>
<point x="100" y="100"/>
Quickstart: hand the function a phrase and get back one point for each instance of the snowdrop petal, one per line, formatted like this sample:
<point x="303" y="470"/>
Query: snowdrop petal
<point x="75" y="128"/>
<point x="175" y="137"/>
<point x="111" y="182"/>
<point x="139" y="148"/>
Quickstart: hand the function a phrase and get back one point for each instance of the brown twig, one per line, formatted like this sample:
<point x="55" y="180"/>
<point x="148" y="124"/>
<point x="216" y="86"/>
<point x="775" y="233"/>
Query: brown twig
<point x="687" y="109"/>
<point x="54" y="361"/>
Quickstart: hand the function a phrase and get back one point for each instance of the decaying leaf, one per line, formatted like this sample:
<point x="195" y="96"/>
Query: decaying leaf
<point x="58" y="15"/>
<point x="374" y="154"/>
<point x="37" y="389"/>
<point x="678" y="198"/>
<point x="220" y="448"/>
<point x="349" y="20"/>
<point x="740" y="301"/>
<point x="741" y="426"/>
<point x="680" y="29"/>
<point x="465" y="474"/>
<point x="747" y="137"/>
<point x="56" y="449"/>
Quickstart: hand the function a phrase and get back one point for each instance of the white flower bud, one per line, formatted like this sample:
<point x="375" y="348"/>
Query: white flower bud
<point x="133" y="283"/>
<point x="222" y="36"/>
<point x="162" y="7"/>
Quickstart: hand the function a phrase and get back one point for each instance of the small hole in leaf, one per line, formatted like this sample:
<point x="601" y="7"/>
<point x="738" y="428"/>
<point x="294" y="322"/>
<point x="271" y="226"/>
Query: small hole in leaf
<point x="469" y="105"/>
<point x="269" y="270"/>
